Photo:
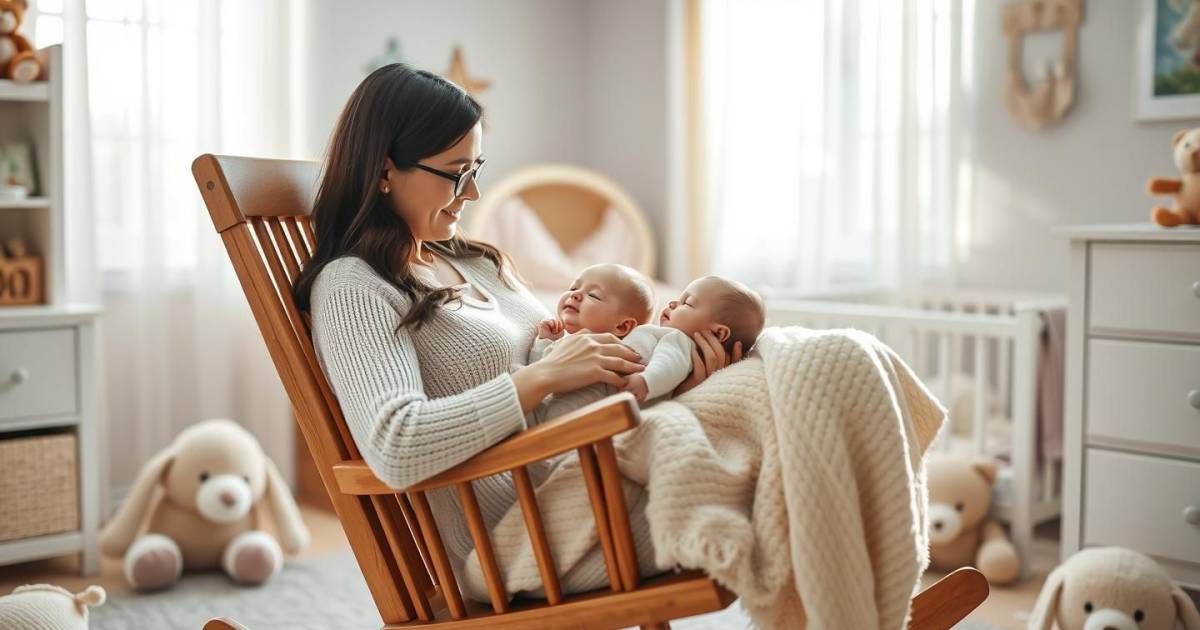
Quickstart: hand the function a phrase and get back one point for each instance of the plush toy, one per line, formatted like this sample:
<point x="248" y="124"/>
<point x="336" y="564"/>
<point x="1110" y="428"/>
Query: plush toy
<point x="47" y="607"/>
<point x="960" y="534"/>
<point x="207" y="515"/>
<point x="1112" y="587"/>
<point x="1185" y="188"/>
<point x="17" y="58"/>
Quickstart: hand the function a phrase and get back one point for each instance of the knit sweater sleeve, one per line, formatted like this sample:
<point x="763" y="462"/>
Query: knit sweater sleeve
<point x="404" y="436"/>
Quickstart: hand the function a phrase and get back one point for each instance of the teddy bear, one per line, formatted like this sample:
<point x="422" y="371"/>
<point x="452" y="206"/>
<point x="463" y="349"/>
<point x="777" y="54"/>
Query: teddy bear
<point x="198" y="505"/>
<point x="48" y="607"/>
<point x="1112" y="587"/>
<point x="960" y="532"/>
<point x="18" y="61"/>
<point x="1185" y="188"/>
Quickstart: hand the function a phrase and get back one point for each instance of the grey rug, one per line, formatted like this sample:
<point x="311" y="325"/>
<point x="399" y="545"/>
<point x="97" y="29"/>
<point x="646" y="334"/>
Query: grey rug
<point x="322" y="593"/>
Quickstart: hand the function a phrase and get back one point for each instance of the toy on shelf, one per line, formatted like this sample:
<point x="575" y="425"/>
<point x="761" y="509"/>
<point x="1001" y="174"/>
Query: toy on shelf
<point x="1185" y="188"/>
<point x="20" y="275"/>
<point x="18" y="60"/>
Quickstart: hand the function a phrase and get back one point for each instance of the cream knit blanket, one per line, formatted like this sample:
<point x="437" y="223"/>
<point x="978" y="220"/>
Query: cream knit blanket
<point x="793" y="476"/>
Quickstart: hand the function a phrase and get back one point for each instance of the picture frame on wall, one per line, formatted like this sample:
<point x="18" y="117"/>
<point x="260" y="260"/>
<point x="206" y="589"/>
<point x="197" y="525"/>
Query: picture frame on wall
<point x="1167" y="77"/>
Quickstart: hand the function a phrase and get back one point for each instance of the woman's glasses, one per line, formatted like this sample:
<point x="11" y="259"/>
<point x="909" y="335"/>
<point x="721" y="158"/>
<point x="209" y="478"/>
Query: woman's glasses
<point x="460" y="179"/>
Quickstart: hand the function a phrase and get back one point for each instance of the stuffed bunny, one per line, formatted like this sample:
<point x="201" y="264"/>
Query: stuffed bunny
<point x="48" y="607"/>
<point x="199" y="503"/>
<point x="1112" y="587"/>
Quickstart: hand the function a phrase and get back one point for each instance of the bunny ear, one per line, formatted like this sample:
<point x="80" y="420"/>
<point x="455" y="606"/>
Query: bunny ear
<point x="1045" y="611"/>
<point x="119" y="532"/>
<point x="293" y="534"/>
<point x="1185" y="609"/>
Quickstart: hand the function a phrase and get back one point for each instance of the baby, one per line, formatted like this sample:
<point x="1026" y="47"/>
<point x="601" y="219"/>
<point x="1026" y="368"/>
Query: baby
<point x="619" y="300"/>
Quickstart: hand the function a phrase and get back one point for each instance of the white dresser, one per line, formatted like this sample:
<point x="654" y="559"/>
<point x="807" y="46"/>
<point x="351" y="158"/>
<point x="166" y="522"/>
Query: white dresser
<point x="1132" y="442"/>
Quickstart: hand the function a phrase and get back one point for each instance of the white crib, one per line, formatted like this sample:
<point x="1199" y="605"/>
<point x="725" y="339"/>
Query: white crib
<point x="991" y="338"/>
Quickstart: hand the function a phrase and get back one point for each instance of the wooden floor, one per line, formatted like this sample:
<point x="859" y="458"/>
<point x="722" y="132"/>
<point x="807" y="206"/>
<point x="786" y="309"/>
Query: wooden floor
<point x="1005" y="607"/>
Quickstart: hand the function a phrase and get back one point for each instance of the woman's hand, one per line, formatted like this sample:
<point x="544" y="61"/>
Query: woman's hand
<point x="576" y="361"/>
<point x="707" y="357"/>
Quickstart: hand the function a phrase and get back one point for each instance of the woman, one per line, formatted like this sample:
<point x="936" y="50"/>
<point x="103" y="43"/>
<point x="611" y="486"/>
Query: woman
<point x="423" y="334"/>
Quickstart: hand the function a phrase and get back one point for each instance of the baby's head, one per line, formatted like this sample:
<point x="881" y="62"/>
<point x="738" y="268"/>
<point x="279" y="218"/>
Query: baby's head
<point x="727" y="308"/>
<point x="606" y="298"/>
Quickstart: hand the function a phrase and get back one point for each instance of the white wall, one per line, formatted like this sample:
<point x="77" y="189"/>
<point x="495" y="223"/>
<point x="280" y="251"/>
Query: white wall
<point x="533" y="51"/>
<point x="1090" y="168"/>
<point x="626" y="99"/>
<point x="577" y="81"/>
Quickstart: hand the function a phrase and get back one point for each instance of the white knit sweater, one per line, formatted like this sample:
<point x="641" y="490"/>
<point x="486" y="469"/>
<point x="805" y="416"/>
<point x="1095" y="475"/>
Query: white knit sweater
<point x="421" y="400"/>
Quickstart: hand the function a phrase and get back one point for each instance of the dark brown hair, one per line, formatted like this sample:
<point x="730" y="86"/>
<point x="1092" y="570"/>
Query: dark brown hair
<point x="407" y="115"/>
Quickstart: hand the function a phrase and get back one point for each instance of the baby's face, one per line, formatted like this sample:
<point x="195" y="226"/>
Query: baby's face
<point x="593" y="302"/>
<point x="692" y="311"/>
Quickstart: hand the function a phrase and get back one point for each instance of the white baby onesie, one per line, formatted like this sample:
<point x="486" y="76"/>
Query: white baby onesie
<point x="666" y="353"/>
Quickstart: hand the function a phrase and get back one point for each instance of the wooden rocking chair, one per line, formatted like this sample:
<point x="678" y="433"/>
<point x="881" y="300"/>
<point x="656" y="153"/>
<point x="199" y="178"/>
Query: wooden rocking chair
<point x="261" y="209"/>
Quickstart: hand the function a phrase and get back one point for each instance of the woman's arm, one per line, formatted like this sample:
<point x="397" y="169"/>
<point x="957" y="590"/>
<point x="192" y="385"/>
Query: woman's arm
<point x="403" y="435"/>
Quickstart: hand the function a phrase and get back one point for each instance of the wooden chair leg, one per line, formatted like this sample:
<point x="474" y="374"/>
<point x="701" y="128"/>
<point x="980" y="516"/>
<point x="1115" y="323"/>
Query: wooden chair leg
<point x="949" y="600"/>
<point x="223" y="623"/>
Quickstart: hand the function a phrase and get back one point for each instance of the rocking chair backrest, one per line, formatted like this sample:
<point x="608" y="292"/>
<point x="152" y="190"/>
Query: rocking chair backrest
<point x="262" y="210"/>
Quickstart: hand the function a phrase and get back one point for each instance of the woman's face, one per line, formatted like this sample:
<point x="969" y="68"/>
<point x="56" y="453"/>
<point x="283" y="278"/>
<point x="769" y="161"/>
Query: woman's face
<point x="426" y="201"/>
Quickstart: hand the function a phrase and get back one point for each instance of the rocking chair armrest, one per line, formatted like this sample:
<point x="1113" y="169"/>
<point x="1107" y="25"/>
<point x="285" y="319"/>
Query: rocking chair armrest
<point x="598" y="421"/>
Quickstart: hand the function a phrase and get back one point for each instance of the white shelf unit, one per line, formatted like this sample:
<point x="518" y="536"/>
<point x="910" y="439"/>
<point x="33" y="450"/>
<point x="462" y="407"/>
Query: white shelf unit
<point x="13" y="91"/>
<point x="48" y="387"/>
<point x="24" y="204"/>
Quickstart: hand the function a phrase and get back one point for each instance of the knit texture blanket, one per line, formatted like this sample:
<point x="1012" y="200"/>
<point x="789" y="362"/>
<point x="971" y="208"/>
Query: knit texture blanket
<point x="795" y="478"/>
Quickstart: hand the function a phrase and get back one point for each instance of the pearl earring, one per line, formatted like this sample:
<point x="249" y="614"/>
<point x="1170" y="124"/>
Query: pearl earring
<point x="387" y="189"/>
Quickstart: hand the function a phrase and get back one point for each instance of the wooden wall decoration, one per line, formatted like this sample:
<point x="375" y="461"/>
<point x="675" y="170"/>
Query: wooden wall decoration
<point x="458" y="74"/>
<point x="1048" y="100"/>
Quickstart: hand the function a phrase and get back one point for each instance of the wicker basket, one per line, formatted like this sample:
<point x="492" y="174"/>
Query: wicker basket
<point x="39" y="493"/>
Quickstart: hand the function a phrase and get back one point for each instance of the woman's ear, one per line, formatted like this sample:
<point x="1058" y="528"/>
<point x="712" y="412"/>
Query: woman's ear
<point x="721" y="331"/>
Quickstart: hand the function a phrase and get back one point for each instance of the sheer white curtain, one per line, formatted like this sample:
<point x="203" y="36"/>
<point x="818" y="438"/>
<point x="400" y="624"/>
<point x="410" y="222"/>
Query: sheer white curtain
<point x="168" y="80"/>
<point x="832" y="161"/>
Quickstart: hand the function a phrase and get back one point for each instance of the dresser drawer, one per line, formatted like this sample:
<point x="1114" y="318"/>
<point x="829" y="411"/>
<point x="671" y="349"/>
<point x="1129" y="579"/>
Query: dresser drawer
<point x="1146" y="288"/>
<point x="37" y="373"/>
<point x="1141" y="394"/>
<point x="1138" y="501"/>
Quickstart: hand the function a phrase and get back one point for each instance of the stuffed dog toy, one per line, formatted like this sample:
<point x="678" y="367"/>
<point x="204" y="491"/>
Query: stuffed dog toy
<point x="199" y="504"/>
<point x="1112" y="587"/>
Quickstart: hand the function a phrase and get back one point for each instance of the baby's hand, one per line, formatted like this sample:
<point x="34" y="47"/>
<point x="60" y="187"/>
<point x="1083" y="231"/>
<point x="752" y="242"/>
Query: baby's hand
<point x="550" y="328"/>
<point x="636" y="385"/>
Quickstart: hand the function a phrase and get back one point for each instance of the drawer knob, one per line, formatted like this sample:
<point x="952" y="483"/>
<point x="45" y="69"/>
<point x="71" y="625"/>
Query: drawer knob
<point x="1191" y="514"/>
<point x="1194" y="398"/>
<point x="18" y="376"/>
<point x="1196" y="288"/>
